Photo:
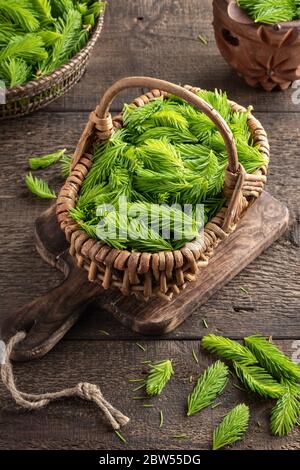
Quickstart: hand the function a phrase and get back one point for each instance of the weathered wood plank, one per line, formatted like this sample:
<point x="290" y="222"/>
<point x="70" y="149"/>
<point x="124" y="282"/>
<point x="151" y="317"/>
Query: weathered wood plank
<point x="73" y="424"/>
<point x="159" y="38"/>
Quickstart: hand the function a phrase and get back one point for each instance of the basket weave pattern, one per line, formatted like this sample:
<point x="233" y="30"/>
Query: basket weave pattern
<point x="161" y="274"/>
<point x="24" y="99"/>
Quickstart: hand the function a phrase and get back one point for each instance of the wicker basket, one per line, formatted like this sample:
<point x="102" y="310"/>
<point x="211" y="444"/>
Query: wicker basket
<point x="160" y="274"/>
<point x="265" y="55"/>
<point x="24" y="99"/>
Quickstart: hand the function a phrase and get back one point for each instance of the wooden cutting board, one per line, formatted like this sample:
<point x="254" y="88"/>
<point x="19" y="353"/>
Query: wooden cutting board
<point x="50" y="316"/>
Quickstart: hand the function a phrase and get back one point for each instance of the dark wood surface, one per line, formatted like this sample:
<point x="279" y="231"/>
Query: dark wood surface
<point x="158" y="38"/>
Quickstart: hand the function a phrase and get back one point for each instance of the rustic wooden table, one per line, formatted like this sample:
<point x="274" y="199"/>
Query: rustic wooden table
<point x="156" y="38"/>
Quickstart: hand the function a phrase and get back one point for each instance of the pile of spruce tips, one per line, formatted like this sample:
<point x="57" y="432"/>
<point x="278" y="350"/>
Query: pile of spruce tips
<point x="38" y="36"/>
<point x="271" y="11"/>
<point x="167" y="153"/>
<point x="261" y="367"/>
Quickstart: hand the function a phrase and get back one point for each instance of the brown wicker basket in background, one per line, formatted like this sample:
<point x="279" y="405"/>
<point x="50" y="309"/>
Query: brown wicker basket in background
<point x="24" y="99"/>
<point x="161" y="274"/>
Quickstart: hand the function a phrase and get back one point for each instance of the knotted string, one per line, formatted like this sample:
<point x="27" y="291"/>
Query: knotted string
<point x="83" y="390"/>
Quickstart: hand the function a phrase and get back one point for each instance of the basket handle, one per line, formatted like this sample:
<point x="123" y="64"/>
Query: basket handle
<point x="132" y="82"/>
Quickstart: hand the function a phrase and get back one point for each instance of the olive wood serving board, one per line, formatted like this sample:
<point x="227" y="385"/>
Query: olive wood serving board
<point x="50" y="316"/>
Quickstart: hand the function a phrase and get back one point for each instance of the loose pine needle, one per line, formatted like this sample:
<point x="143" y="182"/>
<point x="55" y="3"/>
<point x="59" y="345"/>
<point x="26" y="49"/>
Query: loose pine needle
<point x="120" y="436"/>
<point x="180" y="436"/>
<point x="161" y="419"/>
<point x="103" y="332"/>
<point x="136" y="380"/>
<point x="139" y="387"/>
<point x="146" y="405"/>
<point x="190" y="379"/>
<point x="209" y="385"/>
<point x="202" y="39"/>
<point x="141" y="398"/>
<point x="158" y="377"/>
<point x="195" y="357"/>
<point x="39" y="187"/>
<point x="232" y="428"/>
<point x="141" y="347"/>
<point x="238" y="387"/>
<point x="204" y="323"/>
<point x="244" y="290"/>
<point x="216" y="405"/>
<point x="45" y="161"/>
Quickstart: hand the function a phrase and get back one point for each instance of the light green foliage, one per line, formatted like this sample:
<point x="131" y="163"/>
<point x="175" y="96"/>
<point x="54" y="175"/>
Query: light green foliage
<point x="271" y="11"/>
<point x="14" y="71"/>
<point x="158" y="377"/>
<point x="232" y="428"/>
<point x="39" y="187"/>
<point x="38" y="36"/>
<point x="286" y="412"/>
<point x="265" y="370"/>
<point x="29" y="47"/>
<point x="258" y="380"/>
<point x="209" y="385"/>
<point x="272" y="359"/>
<point x="161" y="157"/>
<point x="69" y="28"/>
<point x="228" y="349"/>
<point x="21" y="13"/>
<point x="36" y="163"/>
<point x="65" y="165"/>
<point x="43" y="11"/>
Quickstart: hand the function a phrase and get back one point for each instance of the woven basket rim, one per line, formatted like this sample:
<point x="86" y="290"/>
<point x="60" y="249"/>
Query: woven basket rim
<point x="255" y="127"/>
<point x="34" y="86"/>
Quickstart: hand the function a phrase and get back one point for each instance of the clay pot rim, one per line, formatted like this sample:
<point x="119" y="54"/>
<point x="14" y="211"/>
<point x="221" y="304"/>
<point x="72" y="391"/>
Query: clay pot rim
<point x="251" y="22"/>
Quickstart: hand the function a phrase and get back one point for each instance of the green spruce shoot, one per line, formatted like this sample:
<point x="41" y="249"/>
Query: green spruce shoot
<point x="209" y="385"/>
<point x="228" y="349"/>
<point x="39" y="187"/>
<point x="232" y="428"/>
<point x="36" y="163"/>
<point x="258" y="380"/>
<point x="285" y="413"/>
<point x="272" y="359"/>
<point x="158" y="377"/>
